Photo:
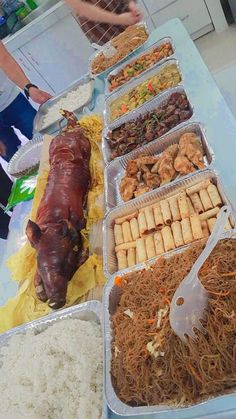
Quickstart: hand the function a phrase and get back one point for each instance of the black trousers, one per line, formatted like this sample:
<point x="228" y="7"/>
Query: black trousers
<point x="5" y="190"/>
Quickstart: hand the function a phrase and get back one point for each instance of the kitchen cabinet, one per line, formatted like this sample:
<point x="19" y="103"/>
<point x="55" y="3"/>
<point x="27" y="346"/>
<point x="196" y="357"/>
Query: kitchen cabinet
<point x="32" y="74"/>
<point x="60" y="54"/>
<point x="194" y="14"/>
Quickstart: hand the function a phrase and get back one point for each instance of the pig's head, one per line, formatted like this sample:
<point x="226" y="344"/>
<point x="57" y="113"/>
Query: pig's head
<point x="57" y="248"/>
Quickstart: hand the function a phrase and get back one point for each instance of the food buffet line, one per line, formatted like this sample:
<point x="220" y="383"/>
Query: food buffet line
<point x="168" y="144"/>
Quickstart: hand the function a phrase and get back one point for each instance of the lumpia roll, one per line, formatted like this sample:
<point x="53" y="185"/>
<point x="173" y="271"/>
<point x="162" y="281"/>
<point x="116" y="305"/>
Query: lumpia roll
<point x="131" y="259"/>
<point x="183" y="205"/>
<point x="168" y="240"/>
<point x="122" y="260"/>
<point x="206" y="202"/>
<point x="148" y="211"/>
<point x="150" y="246"/>
<point x="126" y="232"/>
<point x="177" y="233"/>
<point x="186" y="231"/>
<point x="165" y="211"/>
<point x="142" y="223"/>
<point x="211" y="222"/>
<point x="159" y="246"/>
<point x="141" y="250"/>
<point x="134" y="228"/>
<point x="119" y="239"/>
<point x="174" y="208"/>
<point x="197" y="204"/>
<point x="158" y="216"/>
<point x="214" y="195"/>
<point x="196" y="227"/>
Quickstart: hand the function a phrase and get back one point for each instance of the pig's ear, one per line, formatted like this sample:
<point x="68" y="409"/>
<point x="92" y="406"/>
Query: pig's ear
<point x="33" y="233"/>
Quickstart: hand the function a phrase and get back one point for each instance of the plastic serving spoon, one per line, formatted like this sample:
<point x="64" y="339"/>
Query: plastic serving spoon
<point x="191" y="298"/>
<point x="108" y="49"/>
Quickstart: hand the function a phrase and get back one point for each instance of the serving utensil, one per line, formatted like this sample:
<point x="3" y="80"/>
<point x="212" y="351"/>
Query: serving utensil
<point x="190" y="300"/>
<point x="108" y="50"/>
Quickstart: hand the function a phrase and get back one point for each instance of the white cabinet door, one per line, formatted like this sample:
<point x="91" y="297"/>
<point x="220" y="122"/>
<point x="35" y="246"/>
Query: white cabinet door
<point x="155" y="5"/>
<point x="194" y="14"/>
<point x="60" y="54"/>
<point x="30" y="72"/>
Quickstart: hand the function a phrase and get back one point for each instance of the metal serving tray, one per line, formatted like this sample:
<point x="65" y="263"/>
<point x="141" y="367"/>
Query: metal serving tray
<point x="115" y="171"/>
<point x="114" y="403"/>
<point x="109" y="257"/>
<point x="43" y="109"/>
<point x="156" y="69"/>
<point x="105" y="72"/>
<point x="133" y="59"/>
<point x="158" y="101"/>
<point x="91" y="310"/>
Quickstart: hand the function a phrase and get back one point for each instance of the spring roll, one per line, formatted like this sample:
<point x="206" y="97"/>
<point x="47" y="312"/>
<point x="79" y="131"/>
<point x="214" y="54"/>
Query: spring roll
<point x="205" y="228"/>
<point x="150" y="247"/>
<point x="131" y="259"/>
<point x="165" y="211"/>
<point x="186" y="231"/>
<point x="126" y="232"/>
<point x="206" y="202"/>
<point x="211" y="222"/>
<point x="142" y="223"/>
<point x="141" y="250"/>
<point x="168" y="240"/>
<point x="158" y="216"/>
<point x="196" y="227"/>
<point x="119" y="239"/>
<point x="177" y="234"/>
<point x="159" y="247"/>
<point x="183" y="205"/>
<point x="121" y="220"/>
<point x="196" y="188"/>
<point x="209" y="214"/>
<point x="134" y="228"/>
<point x="174" y="208"/>
<point x="190" y="206"/>
<point x="214" y="195"/>
<point x="136" y="255"/>
<point x="122" y="260"/>
<point x="148" y="211"/>
<point x="125" y="246"/>
<point x="196" y="201"/>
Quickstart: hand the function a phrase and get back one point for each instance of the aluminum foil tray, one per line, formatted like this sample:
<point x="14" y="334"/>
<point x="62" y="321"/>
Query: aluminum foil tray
<point x="131" y="54"/>
<point x="91" y="310"/>
<point x="109" y="256"/>
<point x="54" y="126"/>
<point x="133" y="59"/>
<point x="158" y="101"/>
<point x="134" y="83"/>
<point x="114" y="403"/>
<point x="26" y="159"/>
<point x="115" y="171"/>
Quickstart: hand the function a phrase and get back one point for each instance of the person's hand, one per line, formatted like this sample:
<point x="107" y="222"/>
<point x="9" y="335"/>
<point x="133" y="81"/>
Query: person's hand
<point x="127" y="19"/>
<point x="3" y="149"/>
<point x="136" y="12"/>
<point x="39" y="96"/>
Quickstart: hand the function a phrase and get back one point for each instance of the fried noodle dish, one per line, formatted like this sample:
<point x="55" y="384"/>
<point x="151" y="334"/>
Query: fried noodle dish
<point x="150" y="364"/>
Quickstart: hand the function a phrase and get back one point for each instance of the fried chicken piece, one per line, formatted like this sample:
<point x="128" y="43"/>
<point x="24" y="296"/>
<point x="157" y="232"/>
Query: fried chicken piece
<point x="144" y="159"/>
<point x="191" y="147"/>
<point x="183" y="165"/>
<point x="141" y="189"/>
<point x="127" y="187"/>
<point x="166" y="169"/>
<point x="152" y="180"/>
<point x="132" y="168"/>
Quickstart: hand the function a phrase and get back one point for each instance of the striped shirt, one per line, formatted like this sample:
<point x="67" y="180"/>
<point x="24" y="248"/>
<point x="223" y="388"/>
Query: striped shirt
<point x="100" y="33"/>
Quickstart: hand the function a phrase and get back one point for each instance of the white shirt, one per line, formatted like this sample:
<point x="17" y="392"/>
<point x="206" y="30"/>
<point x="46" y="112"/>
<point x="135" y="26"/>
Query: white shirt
<point x="8" y="91"/>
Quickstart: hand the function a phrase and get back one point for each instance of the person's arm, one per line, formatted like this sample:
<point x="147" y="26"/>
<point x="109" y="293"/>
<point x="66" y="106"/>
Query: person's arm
<point x="15" y="73"/>
<point x="97" y="14"/>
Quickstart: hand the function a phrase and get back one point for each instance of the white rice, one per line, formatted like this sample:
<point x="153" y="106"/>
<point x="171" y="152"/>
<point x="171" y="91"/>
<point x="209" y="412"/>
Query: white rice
<point x="54" y="374"/>
<point x="72" y="101"/>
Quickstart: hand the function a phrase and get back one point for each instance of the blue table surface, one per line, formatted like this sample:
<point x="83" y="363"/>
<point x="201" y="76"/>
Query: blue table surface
<point x="211" y="110"/>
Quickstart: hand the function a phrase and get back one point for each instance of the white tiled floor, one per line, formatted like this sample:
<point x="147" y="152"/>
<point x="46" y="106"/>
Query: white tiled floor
<point x="219" y="53"/>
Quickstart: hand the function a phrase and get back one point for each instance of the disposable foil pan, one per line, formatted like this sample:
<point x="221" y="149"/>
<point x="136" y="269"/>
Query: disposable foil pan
<point x="26" y="160"/>
<point x="43" y="109"/>
<point x="156" y="69"/>
<point x="115" y="171"/>
<point x="109" y="256"/>
<point x="115" y="404"/>
<point x="105" y="72"/>
<point x="133" y="59"/>
<point x="157" y="102"/>
<point x="89" y="311"/>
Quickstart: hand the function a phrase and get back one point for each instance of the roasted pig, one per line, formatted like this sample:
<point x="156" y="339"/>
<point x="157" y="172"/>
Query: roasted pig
<point x="56" y="233"/>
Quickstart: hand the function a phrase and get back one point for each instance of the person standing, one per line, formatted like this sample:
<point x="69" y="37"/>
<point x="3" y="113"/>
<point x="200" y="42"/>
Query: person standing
<point x="102" y="20"/>
<point x="15" y="109"/>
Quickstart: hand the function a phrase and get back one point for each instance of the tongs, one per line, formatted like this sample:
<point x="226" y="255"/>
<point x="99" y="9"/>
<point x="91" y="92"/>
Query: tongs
<point x="190" y="301"/>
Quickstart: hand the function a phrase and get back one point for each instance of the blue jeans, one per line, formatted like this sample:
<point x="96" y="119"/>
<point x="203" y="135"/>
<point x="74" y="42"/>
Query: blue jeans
<point x="19" y="114"/>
